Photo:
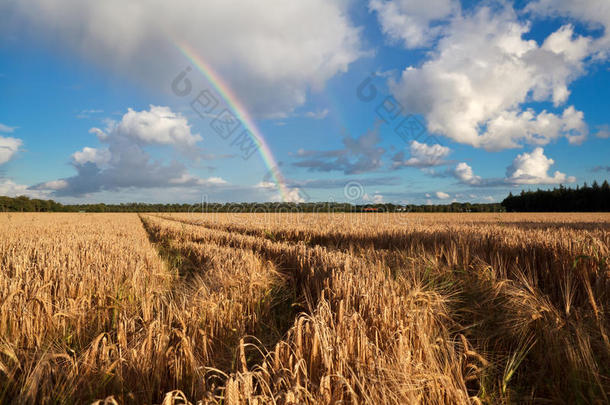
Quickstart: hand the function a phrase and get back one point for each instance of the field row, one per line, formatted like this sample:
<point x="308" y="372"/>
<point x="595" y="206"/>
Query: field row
<point x="165" y="306"/>
<point x="362" y="335"/>
<point x="521" y="290"/>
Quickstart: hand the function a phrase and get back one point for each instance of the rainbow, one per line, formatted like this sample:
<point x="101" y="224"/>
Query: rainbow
<point x="231" y="99"/>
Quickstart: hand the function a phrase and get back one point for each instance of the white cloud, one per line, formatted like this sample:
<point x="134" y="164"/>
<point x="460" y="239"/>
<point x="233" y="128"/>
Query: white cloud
<point x="532" y="168"/>
<point x="464" y="173"/>
<point x="374" y="199"/>
<point x="596" y="13"/>
<point x="414" y="22"/>
<point x="266" y="185"/>
<point x="294" y="195"/>
<point x="8" y="148"/>
<point x="505" y="129"/>
<point x="158" y="125"/>
<point x="270" y="52"/>
<point x="6" y="128"/>
<point x="125" y="163"/>
<point x="216" y="180"/>
<point x="9" y="188"/>
<point x="474" y="86"/>
<point x="422" y="155"/>
<point x="442" y="195"/>
<point x="527" y="168"/>
<point x="187" y="179"/>
<point x="54" y="185"/>
<point x="97" y="156"/>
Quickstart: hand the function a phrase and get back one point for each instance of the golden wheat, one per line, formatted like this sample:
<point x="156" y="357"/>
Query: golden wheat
<point x="304" y="308"/>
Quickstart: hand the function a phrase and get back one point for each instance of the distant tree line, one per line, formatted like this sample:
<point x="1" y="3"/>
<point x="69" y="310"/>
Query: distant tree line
<point x="594" y="198"/>
<point x="456" y="207"/>
<point x="25" y="204"/>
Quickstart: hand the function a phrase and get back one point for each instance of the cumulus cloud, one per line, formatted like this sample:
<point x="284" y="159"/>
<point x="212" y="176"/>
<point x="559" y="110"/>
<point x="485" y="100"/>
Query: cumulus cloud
<point x="9" y="188"/>
<point x="159" y="125"/>
<point x="422" y="155"/>
<point x="216" y="180"/>
<point x="464" y="174"/>
<point x="265" y="185"/>
<point x="526" y="168"/>
<point x="271" y="53"/>
<point x="532" y="168"/>
<point x="596" y="13"/>
<point x="97" y="156"/>
<point x="292" y="194"/>
<point x="474" y="86"/>
<point x="124" y="162"/>
<point x="8" y="148"/>
<point x="359" y="155"/>
<point x="373" y="199"/>
<point x="442" y="195"/>
<point x="413" y="22"/>
<point x="538" y="129"/>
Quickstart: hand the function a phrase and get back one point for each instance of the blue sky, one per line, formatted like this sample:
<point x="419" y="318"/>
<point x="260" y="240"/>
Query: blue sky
<point x="507" y="96"/>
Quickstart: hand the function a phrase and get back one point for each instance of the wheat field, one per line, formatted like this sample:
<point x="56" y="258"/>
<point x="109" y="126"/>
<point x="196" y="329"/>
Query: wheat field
<point x="304" y="308"/>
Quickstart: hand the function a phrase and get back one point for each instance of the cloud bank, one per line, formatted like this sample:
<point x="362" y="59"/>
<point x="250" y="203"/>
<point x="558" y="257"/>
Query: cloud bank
<point x="270" y="52"/>
<point x="478" y="81"/>
<point x="124" y="162"/>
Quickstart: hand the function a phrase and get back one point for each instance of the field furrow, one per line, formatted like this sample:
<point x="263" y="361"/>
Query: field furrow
<point x="163" y="308"/>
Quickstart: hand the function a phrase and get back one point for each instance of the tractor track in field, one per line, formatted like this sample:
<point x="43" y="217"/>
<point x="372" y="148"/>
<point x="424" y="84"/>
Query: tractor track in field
<point x="194" y="258"/>
<point x="304" y="266"/>
<point x="445" y="245"/>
